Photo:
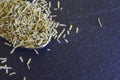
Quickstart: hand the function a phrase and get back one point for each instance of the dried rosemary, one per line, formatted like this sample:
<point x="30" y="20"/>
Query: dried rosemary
<point x="26" y="24"/>
<point x="29" y="24"/>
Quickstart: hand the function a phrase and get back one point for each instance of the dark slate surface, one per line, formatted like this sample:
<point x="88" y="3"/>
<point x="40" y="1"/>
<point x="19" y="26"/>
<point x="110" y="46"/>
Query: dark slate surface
<point x="93" y="54"/>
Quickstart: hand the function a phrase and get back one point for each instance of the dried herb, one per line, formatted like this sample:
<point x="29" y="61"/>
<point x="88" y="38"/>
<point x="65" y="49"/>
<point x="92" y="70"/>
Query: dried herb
<point x="26" y="24"/>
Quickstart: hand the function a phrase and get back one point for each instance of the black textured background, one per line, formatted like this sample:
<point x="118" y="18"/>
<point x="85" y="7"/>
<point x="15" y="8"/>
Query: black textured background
<point x="93" y="54"/>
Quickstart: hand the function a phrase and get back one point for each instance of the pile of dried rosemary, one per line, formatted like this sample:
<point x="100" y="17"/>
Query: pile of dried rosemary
<point x="26" y="24"/>
<point x="30" y="24"/>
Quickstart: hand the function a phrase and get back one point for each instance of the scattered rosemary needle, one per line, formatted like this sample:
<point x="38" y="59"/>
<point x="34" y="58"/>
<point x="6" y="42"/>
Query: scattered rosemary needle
<point x="36" y="51"/>
<point x="28" y="63"/>
<point x="55" y="9"/>
<point x="62" y="25"/>
<point x="6" y="68"/>
<point x="61" y="8"/>
<point x="49" y="4"/>
<point x="29" y="60"/>
<point x="64" y="35"/>
<point x="12" y="50"/>
<point x="21" y="59"/>
<point x="68" y="32"/>
<point x="77" y="30"/>
<point x="99" y="21"/>
<point x="48" y="49"/>
<point x="66" y="40"/>
<point x="3" y="60"/>
<point x="58" y="41"/>
<point x="54" y="15"/>
<point x="61" y="34"/>
<point x="71" y="26"/>
<point x="55" y="36"/>
<point x="13" y="73"/>
<point x="24" y="78"/>
<point x="7" y="44"/>
<point x="58" y="4"/>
